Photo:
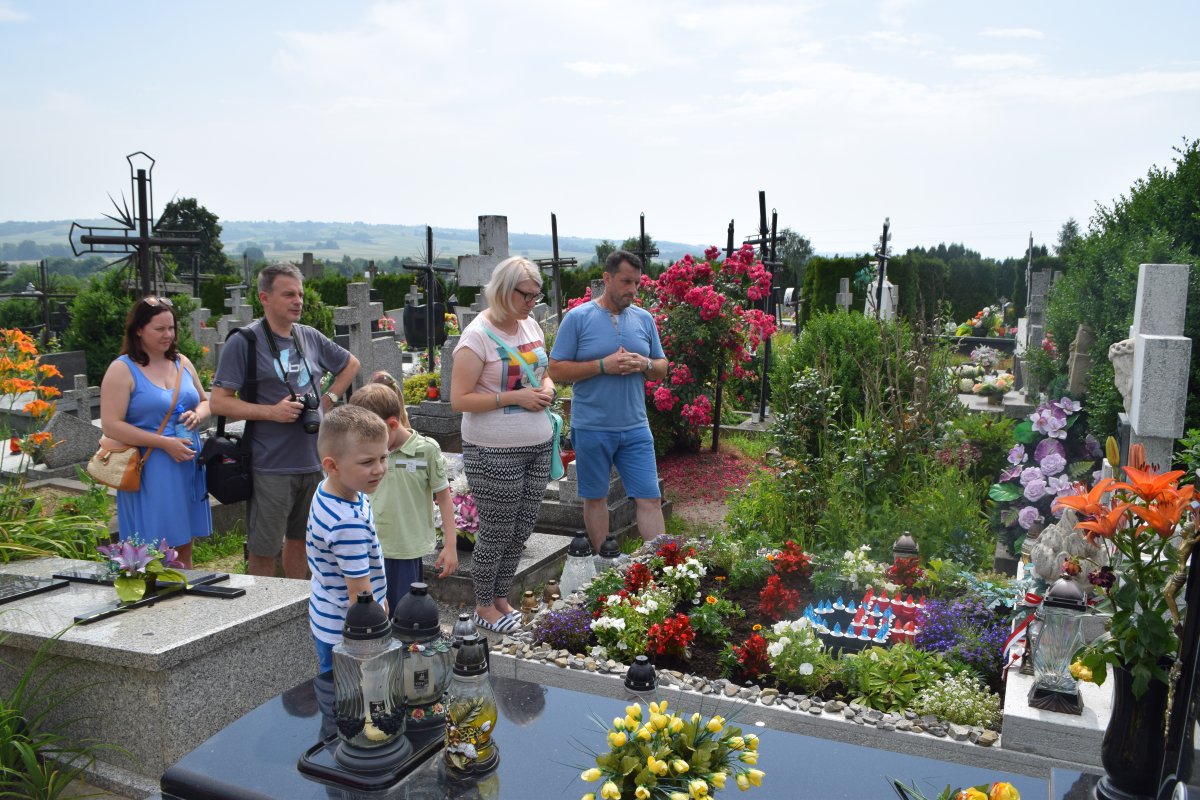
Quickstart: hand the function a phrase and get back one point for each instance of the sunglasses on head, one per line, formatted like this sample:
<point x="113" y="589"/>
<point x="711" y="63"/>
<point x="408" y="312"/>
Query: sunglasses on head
<point x="157" y="302"/>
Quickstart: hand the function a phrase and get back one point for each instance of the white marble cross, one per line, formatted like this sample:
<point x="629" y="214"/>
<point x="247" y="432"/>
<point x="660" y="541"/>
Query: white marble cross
<point x="357" y="315"/>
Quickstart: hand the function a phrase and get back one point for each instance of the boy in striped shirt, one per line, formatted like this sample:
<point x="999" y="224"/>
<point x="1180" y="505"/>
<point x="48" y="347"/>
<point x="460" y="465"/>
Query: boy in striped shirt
<point x="343" y="550"/>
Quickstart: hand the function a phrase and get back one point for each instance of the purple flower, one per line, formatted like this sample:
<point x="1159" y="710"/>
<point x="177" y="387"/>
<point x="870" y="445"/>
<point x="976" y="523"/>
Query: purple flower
<point x="1092" y="446"/>
<point x="1017" y="455"/>
<point x="1068" y="405"/>
<point x="1028" y="517"/>
<point x="170" y="555"/>
<point x="1011" y="473"/>
<point x="1046" y="447"/>
<point x="1060" y="485"/>
<point x="130" y="559"/>
<point x="1031" y="474"/>
<point x="1053" y="463"/>
<point x="1049" y="421"/>
<point x="1035" y="490"/>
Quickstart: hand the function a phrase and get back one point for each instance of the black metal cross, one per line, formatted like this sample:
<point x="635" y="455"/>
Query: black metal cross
<point x="767" y="242"/>
<point x="882" y="255"/>
<point x="555" y="265"/>
<point x="645" y="249"/>
<point x="428" y="270"/>
<point x="136" y="236"/>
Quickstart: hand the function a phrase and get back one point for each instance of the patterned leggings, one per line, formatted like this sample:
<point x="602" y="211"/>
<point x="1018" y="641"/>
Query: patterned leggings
<point x="508" y="484"/>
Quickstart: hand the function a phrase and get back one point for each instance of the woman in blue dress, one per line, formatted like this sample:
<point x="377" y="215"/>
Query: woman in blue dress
<point x="135" y="396"/>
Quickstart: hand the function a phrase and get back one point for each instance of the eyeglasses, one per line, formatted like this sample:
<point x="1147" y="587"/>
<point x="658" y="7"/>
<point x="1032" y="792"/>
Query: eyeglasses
<point x="157" y="302"/>
<point x="530" y="297"/>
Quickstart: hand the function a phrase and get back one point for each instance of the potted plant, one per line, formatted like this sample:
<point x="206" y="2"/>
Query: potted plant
<point x="139" y="566"/>
<point x="1136" y="520"/>
<point x="994" y="387"/>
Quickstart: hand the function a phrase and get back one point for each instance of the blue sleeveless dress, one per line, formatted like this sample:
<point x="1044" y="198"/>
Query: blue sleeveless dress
<point x="173" y="500"/>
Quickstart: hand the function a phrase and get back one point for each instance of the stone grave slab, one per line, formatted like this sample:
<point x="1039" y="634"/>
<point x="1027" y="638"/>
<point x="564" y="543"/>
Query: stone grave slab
<point x="540" y="730"/>
<point x="541" y="560"/>
<point x="161" y="679"/>
<point x="76" y="440"/>
<point x="70" y="363"/>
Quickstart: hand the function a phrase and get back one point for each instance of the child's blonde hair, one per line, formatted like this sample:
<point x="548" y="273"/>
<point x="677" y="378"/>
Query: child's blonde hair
<point x="385" y="379"/>
<point x="380" y="400"/>
<point x="345" y="427"/>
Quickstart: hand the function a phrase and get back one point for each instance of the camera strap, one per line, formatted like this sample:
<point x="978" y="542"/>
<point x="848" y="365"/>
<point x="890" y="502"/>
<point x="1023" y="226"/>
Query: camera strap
<point x="274" y="348"/>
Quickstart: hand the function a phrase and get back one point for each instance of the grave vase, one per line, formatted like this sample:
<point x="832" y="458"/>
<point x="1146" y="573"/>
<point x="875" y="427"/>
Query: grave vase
<point x="1132" y="748"/>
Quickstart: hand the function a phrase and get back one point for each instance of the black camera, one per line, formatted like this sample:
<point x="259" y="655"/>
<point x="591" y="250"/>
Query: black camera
<point x="310" y="416"/>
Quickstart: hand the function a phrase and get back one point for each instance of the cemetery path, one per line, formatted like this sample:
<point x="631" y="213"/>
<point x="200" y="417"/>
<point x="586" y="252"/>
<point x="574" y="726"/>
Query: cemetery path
<point x="700" y="484"/>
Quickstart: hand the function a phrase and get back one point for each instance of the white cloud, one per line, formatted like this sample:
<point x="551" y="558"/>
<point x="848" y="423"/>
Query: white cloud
<point x="995" y="62"/>
<point x="1095" y="91"/>
<point x="596" y="69"/>
<point x="580" y="100"/>
<point x="1012" y="33"/>
<point x="10" y="14"/>
<point x="891" y="40"/>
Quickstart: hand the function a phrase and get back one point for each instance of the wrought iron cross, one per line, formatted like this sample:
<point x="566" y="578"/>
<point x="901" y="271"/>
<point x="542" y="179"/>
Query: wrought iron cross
<point x="136" y="236"/>
<point x="555" y="265"/>
<point x="645" y="249"/>
<point x="767" y="242"/>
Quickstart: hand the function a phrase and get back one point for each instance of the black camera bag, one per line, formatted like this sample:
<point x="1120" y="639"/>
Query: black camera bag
<point x="226" y="456"/>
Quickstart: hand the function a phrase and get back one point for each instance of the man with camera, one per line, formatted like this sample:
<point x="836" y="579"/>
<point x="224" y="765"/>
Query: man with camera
<point x="284" y="418"/>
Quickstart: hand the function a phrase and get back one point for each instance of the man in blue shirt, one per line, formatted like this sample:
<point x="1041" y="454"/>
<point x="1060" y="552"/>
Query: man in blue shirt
<point x="609" y="348"/>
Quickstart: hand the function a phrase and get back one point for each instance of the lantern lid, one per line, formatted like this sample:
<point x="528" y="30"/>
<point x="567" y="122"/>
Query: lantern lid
<point x="640" y="677"/>
<point x="580" y="546"/>
<point x="365" y="619"/>
<point x="416" y="614"/>
<point x="611" y="548"/>
<point x="463" y="628"/>
<point x="471" y="655"/>
<point x="906" y="546"/>
<point x="1065" y="594"/>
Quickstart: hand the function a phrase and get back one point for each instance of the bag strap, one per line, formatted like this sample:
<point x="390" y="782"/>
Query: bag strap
<point x="170" y="409"/>
<point x="515" y="356"/>
<point x="249" y="390"/>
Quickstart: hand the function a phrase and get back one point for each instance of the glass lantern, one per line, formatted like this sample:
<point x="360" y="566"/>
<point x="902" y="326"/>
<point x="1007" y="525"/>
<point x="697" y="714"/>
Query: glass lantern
<point x="1059" y="637"/>
<point x="580" y="567"/>
<point x="471" y="712"/>
<point x="428" y="657"/>
<point x="609" y="556"/>
<point x="368" y="684"/>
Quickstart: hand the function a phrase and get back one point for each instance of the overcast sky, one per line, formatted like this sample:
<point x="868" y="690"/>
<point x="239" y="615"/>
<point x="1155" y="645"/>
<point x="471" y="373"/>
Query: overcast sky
<point x="969" y="122"/>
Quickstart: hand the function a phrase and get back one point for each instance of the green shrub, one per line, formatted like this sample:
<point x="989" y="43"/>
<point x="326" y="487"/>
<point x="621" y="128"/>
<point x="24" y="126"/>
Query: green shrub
<point x="98" y="321"/>
<point x="751" y="571"/>
<point x="889" y="679"/>
<point x="415" y="387"/>
<point x="960" y="699"/>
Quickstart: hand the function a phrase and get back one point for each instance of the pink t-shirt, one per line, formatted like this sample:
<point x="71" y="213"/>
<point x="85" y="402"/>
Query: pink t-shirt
<point x="511" y="426"/>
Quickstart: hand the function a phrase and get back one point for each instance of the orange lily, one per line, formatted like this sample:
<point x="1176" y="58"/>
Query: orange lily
<point x="1148" y="486"/>
<point x="1088" y="505"/>
<point x="1163" y="516"/>
<point x="1103" y="524"/>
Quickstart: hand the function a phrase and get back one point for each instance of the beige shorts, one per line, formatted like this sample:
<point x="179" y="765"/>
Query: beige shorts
<point x="279" y="510"/>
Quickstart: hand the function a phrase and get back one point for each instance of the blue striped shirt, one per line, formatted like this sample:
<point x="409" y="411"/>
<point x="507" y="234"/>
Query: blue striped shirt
<point x="340" y="543"/>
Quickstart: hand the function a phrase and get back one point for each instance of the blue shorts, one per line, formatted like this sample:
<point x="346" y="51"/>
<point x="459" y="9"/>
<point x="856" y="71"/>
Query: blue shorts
<point x="631" y="452"/>
<point x="324" y="656"/>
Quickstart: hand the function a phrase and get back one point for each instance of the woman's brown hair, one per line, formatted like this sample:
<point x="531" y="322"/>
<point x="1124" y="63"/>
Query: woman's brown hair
<point x="139" y="317"/>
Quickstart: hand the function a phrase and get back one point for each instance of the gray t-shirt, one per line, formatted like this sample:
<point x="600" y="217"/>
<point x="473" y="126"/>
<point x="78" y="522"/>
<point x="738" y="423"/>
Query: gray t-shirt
<point x="276" y="447"/>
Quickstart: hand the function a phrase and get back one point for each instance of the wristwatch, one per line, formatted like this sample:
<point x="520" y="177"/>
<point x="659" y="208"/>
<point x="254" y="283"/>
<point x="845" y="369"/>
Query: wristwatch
<point x="649" y="366"/>
<point x="333" y="398"/>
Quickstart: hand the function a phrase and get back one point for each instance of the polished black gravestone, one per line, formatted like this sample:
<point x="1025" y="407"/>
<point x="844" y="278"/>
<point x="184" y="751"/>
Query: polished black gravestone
<point x="544" y="735"/>
<point x="14" y="587"/>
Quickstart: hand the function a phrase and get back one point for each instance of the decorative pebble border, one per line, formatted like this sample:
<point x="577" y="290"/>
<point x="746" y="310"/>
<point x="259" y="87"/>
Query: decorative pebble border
<point x="520" y="645"/>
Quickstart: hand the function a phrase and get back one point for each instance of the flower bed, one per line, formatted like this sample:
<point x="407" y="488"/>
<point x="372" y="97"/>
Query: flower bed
<point x="743" y="633"/>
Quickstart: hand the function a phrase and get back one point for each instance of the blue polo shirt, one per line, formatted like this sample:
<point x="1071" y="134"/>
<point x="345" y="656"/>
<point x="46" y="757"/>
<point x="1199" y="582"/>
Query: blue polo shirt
<point x="588" y="333"/>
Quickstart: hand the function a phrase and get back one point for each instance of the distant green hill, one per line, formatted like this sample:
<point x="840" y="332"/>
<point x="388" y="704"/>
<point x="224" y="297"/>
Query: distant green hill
<point x="285" y="241"/>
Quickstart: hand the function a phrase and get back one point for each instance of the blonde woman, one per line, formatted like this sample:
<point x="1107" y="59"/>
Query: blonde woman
<point x="506" y="432"/>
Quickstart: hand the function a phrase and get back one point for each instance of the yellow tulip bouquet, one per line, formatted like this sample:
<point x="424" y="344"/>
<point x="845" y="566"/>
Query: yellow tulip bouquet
<point x="667" y="757"/>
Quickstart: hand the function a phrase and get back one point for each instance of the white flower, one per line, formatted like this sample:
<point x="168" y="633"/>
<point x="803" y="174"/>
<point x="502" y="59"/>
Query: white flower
<point x="776" y="647"/>
<point x="805" y="668"/>
<point x="460" y="486"/>
<point x="781" y="627"/>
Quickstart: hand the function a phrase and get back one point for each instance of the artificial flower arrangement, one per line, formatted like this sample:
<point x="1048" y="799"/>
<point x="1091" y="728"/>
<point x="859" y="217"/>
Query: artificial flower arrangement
<point x="1136" y="519"/>
<point x="138" y="567"/>
<point x="994" y="385"/>
<point x="466" y="515"/>
<point x="387" y="324"/>
<point x="666" y="756"/>
<point x="451" y="321"/>
<point x="988" y="358"/>
<point x="988" y="322"/>
<point x="1051" y="454"/>
<point x="985" y="791"/>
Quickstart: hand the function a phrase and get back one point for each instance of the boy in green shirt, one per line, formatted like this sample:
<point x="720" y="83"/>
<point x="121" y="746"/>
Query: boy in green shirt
<point x="403" y="511"/>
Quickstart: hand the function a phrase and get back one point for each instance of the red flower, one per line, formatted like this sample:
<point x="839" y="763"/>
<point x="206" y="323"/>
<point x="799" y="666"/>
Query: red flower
<point x="752" y="657"/>
<point x="775" y="600"/>
<point x="672" y="636"/>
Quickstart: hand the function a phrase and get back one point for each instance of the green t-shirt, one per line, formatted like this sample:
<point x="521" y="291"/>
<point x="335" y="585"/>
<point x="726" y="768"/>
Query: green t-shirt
<point x="403" y="502"/>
